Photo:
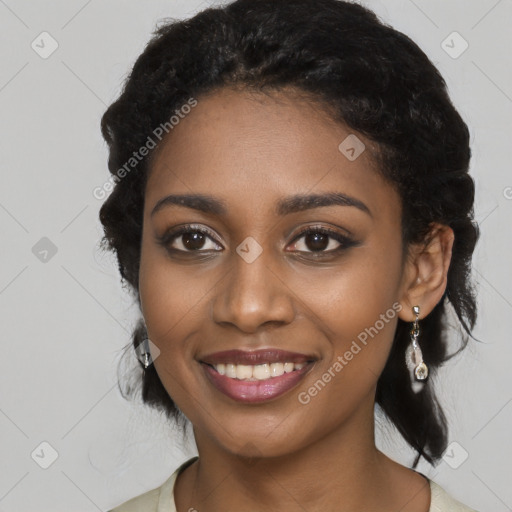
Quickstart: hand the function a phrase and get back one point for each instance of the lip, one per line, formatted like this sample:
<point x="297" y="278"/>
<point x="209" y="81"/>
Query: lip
<point x="255" y="391"/>
<point x="254" y="357"/>
<point x="260" y="390"/>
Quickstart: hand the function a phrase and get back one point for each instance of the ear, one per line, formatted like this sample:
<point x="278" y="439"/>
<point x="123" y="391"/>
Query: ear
<point x="426" y="272"/>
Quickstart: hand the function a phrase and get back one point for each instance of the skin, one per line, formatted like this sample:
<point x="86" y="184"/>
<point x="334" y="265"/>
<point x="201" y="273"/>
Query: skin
<point x="250" y="150"/>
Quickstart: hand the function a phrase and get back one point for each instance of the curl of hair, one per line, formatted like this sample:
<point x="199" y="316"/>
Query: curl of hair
<point x="366" y="75"/>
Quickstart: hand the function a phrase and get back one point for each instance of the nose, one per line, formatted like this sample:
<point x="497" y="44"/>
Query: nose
<point x="253" y="295"/>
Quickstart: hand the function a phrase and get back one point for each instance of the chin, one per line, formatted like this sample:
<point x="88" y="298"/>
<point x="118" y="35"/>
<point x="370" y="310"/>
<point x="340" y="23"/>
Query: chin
<point x="254" y="443"/>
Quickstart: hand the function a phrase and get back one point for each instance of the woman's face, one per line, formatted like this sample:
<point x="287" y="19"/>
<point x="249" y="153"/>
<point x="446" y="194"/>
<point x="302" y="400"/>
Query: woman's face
<point x="318" y="310"/>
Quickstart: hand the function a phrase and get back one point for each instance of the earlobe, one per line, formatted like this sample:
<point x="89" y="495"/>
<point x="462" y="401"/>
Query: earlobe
<point x="427" y="272"/>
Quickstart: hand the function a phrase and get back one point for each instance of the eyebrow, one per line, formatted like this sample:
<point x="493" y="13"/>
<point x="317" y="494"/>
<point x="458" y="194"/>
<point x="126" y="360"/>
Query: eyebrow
<point x="303" y="202"/>
<point x="203" y="203"/>
<point x="286" y="206"/>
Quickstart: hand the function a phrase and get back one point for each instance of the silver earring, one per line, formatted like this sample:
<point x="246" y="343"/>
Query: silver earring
<point x="146" y="354"/>
<point x="142" y="350"/>
<point x="414" y="357"/>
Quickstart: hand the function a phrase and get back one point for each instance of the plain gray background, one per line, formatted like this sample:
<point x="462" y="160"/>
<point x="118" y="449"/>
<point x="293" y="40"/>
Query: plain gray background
<point x="65" y="318"/>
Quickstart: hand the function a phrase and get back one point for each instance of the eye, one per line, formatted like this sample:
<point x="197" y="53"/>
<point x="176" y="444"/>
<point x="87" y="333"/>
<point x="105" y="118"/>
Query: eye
<point x="318" y="239"/>
<point x="189" y="238"/>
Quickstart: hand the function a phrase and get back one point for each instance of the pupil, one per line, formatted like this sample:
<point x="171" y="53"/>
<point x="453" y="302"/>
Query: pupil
<point x="193" y="241"/>
<point x="319" y="241"/>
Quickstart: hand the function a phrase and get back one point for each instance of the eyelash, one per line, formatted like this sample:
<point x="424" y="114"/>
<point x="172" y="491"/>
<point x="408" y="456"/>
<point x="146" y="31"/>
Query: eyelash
<point x="168" y="237"/>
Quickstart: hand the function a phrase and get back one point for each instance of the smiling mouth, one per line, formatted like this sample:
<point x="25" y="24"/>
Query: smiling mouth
<point x="251" y="373"/>
<point x="256" y="376"/>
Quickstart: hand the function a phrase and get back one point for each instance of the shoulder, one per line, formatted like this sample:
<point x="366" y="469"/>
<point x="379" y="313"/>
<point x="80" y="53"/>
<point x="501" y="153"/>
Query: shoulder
<point x="147" y="502"/>
<point x="156" y="500"/>
<point x="441" y="501"/>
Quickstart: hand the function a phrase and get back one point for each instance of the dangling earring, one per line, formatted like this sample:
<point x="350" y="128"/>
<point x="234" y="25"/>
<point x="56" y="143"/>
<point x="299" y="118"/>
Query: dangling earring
<point x="146" y="350"/>
<point x="142" y="350"/>
<point x="146" y="354"/>
<point x="414" y="357"/>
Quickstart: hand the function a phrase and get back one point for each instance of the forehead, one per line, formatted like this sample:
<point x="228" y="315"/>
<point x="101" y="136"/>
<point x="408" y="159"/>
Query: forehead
<point x="251" y="148"/>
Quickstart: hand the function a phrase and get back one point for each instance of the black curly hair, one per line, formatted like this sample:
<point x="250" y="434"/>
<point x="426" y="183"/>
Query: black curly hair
<point x="367" y="76"/>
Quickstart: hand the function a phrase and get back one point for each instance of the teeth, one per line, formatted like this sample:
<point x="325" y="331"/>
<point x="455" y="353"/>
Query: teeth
<point x="243" y="371"/>
<point x="261" y="371"/>
<point x="276" y="369"/>
<point x="231" y="371"/>
<point x="257" y="372"/>
<point x="288" y="367"/>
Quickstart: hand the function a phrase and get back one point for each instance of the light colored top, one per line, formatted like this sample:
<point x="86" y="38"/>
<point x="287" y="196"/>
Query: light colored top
<point x="161" y="499"/>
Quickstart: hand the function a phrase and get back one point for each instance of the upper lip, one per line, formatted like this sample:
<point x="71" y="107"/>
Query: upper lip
<point x="255" y="357"/>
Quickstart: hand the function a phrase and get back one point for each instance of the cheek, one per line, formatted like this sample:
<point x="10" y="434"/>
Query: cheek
<point x="175" y="304"/>
<point x="171" y="302"/>
<point x="358" y="341"/>
<point x="171" y="296"/>
<point x="356" y="307"/>
<point x="169" y="306"/>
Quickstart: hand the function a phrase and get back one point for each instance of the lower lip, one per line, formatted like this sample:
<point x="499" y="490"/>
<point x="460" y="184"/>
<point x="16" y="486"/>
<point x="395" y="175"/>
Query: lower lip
<point x="256" y="390"/>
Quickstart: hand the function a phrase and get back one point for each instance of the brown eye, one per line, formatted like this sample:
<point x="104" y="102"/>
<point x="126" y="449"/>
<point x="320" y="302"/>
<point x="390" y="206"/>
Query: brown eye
<point x="189" y="239"/>
<point x="321" y="240"/>
<point x="316" y="241"/>
<point x="193" y="240"/>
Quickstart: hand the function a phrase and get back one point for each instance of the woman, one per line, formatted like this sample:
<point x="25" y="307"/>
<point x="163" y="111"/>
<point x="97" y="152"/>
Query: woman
<point x="294" y="214"/>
